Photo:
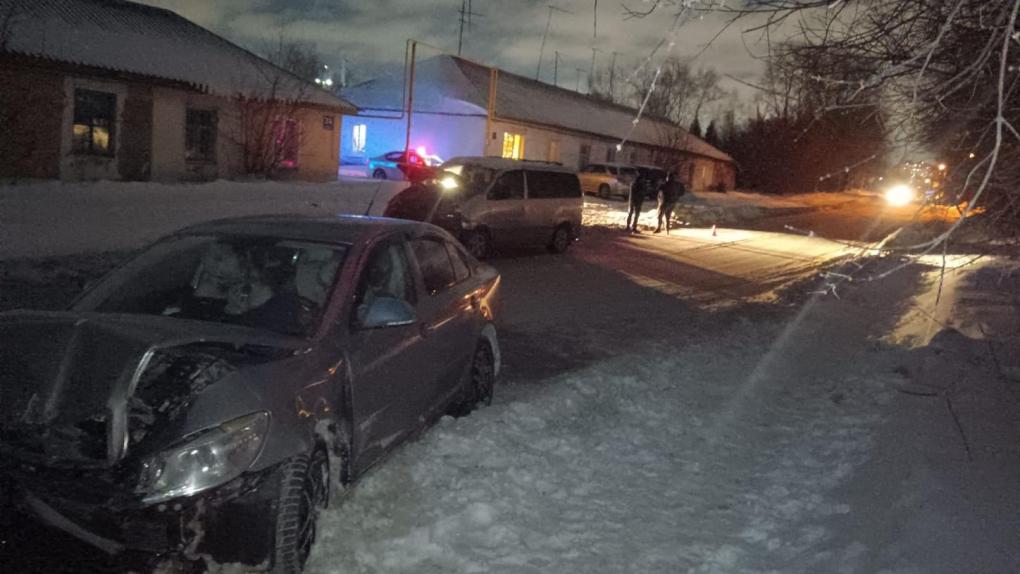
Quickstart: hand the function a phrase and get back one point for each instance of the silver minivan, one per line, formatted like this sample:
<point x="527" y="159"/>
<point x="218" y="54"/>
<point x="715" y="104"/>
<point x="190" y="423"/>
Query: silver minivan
<point x="504" y="202"/>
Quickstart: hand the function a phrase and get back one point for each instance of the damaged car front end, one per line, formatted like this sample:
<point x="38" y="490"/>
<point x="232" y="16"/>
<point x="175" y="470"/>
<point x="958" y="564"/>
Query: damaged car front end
<point x="95" y="441"/>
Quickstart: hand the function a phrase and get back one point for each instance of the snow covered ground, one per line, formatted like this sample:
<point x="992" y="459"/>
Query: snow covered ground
<point x="765" y="441"/>
<point x="637" y="430"/>
<point x="57" y="218"/>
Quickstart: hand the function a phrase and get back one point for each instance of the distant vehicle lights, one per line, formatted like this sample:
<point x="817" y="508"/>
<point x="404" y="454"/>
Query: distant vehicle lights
<point x="899" y="195"/>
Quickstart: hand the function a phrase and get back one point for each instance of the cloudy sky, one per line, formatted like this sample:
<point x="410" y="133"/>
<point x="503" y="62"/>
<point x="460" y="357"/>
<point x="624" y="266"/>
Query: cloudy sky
<point x="371" y="34"/>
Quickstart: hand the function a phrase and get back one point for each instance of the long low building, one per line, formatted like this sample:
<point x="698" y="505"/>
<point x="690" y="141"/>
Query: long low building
<point x="463" y="108"/>
<point x="111" y="89"/>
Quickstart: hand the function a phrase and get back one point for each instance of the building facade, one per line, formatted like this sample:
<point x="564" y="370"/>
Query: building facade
<point x="115" y="90"/>
<point x="462" y="108"/>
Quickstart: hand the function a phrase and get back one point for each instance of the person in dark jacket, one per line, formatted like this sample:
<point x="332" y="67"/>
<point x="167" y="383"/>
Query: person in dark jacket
<point x="669" y="194"/>
<point x="638" y="188"/>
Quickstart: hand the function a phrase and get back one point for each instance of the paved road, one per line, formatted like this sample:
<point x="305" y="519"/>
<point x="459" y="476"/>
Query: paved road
<point x="860" y="218"/>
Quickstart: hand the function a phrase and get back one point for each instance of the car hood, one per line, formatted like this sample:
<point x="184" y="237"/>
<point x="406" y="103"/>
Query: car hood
<point x="82" y="387"/>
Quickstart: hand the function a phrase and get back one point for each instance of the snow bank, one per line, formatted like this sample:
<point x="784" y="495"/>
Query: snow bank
<point x="706" y="208"/>
<point x="57" y="218"/>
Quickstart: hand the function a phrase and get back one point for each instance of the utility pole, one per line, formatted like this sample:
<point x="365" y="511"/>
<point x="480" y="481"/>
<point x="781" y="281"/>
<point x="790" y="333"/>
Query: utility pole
<point x="541" y="50"/>
<point x="556" y="69"/>
<point x="591" y="71"/>
<point x="612" y="75"/>
<point x="465" y="18"/>
<point x="410" y="100"/>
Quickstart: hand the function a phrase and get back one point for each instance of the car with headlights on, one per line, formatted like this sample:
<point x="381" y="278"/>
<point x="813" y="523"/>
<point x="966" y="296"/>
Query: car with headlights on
<point x="208" y="398"/>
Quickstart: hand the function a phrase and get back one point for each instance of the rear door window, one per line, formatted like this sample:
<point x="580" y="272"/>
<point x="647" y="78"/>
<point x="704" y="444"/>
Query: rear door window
<point x="434" y="261"/>
<point x="552" y="184"/>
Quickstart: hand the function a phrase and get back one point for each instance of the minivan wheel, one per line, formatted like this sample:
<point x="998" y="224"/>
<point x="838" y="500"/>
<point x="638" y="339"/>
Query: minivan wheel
<point x="477" y="243"/>
<point x="379" y="174"/>
<point x="560" y="239"/>
<point x="304" y="492"/>
<point x="604" y="191"/>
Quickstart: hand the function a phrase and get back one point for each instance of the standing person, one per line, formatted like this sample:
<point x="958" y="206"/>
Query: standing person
<point x="638" y="189"/>
<point x="669" y="194"/>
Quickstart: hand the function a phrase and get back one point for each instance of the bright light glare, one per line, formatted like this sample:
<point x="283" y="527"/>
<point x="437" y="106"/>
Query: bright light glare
<point x="899" y="195"/>
<point x="942" y="167"/>
<point x="421" y="151"/>
<point x="448" y="183"/>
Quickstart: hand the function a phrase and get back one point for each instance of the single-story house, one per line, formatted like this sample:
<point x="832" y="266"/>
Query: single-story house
<point x="111" y="89"/>
<point x="463" y="108"/>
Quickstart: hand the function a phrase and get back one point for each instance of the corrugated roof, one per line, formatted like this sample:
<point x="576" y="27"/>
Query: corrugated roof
<point x="452" y="85"/>
<point x="131" y="38"/>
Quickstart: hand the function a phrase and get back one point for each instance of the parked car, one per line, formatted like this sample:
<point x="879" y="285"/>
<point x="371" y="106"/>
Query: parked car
<point x="505" y="202"/>
<point x="400" y="165"/>
<point x="212" y="395"/>
<point x="607" y="179"/>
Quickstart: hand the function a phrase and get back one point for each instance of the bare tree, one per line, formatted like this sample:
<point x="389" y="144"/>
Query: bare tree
<point x="945" y="72"/>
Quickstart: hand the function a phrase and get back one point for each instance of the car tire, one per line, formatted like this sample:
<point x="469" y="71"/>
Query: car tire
<point x="479" y="383"/>
<point x="379" y="174"/>
<point x="560" y="240"/>
<point x="304" y="492"/>
<point x="477" y="243"/>
<point x="604" y="191"/>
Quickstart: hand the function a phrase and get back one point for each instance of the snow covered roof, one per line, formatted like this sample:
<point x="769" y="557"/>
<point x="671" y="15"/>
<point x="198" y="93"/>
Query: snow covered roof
<point x="499" y="163"/>
<point x="126" y="37"/>
<point x="455" y="86"/>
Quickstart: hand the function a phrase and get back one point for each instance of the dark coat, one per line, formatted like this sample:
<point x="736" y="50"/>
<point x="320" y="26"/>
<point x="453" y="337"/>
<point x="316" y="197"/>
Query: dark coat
<point x="671" y="191"/>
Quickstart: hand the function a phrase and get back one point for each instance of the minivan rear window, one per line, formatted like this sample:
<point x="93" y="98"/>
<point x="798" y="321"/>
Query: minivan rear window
<point x="552" y="184"/>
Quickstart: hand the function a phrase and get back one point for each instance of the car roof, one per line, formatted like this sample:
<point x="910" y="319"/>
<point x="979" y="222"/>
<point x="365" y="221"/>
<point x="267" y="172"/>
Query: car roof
<point x="348" y="229"/>
<point x="499" y="163"/>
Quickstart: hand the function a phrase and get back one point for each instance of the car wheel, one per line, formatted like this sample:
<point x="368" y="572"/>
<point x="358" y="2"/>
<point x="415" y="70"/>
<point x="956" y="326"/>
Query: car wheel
<point x="480" y="383"/>
<point x="304" y="492"/>
<point x="560" y="240"/>
<point x="379" y="174"/>
<point x="604" y="191"/>
<point x="477" y="243"/>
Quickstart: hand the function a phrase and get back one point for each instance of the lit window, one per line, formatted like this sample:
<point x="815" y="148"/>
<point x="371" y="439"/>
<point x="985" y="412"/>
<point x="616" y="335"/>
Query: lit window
<point x="358" y="137"/>
<point x="200" y="135"/>
<point x="93" y="122"/>
<point x="513" y="146"/>
<point x="285" y="143"/>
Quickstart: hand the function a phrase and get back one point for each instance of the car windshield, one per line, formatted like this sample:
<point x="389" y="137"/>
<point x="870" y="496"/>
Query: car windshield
<point x="255" y="281"/>
<point x="474" y="178"/>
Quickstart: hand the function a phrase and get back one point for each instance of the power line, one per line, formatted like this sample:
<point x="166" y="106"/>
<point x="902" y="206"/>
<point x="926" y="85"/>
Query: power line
<point x="466" y="13"/>
<point x="541" y="50"/>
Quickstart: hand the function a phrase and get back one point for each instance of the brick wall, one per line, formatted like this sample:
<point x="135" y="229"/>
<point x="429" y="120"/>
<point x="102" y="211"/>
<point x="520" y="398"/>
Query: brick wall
<point x="31" y="108"/>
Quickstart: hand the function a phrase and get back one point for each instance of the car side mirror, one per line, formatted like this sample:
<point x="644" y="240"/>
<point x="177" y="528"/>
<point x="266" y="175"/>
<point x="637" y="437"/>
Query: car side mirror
<point x="386" y="312"/>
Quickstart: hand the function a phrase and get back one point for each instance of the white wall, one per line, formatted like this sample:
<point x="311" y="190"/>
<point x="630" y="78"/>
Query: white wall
<point x="445" y="136"/>
<point x="168" y="151"/>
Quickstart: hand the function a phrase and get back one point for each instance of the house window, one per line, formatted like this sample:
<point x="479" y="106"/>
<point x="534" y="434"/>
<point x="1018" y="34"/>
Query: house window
<point x="584" y="154"/>
<point x="200" y="135"/>
<point x="610" y="153"/>
<point x="94" y="114"/>
<point x="358" y="138"/>
<point x="554" y="150"/>
<point x="285" y="143"/>
<point x="513" y="146"/>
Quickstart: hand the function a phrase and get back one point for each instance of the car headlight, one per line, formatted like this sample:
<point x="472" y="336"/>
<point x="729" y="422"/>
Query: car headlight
<point x="207" y="460"/>
<point x="899" y="195"/>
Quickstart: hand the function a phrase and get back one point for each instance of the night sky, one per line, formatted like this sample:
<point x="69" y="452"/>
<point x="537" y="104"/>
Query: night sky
<point x="371" y="34"/>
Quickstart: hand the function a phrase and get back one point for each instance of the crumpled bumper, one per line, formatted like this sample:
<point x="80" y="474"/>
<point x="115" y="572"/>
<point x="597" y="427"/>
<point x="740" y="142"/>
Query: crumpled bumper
<point x="106" y="525"/>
